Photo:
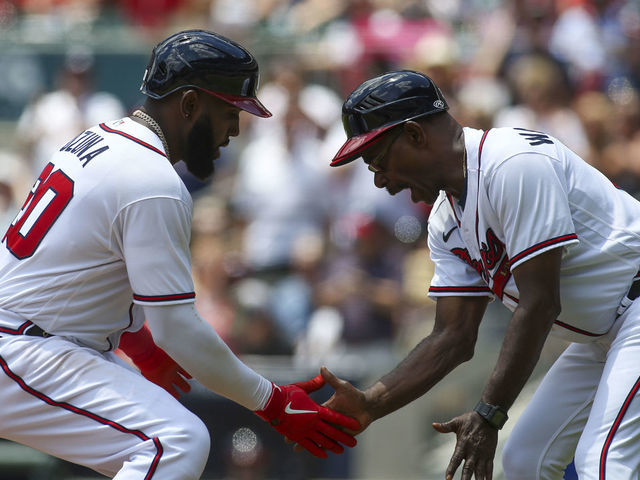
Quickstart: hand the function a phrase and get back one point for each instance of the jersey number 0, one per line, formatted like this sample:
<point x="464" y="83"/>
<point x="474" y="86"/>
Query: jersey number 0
<point x="47" y="199"/>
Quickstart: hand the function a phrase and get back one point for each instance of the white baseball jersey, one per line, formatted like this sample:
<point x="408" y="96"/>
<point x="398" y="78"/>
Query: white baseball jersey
<point x="112" y="182"/>
<point x="527" y="193"/>
<point x="67" y="394"/>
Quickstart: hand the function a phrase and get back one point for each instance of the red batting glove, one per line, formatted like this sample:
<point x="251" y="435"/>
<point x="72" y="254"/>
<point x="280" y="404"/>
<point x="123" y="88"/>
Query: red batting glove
<point x="292" y="413"/>
<point x="153" y="362"/>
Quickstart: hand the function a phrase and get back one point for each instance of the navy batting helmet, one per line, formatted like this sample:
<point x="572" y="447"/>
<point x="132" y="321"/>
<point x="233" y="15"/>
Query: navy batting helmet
<point x="382" y="103"/>
<point x="209" y="62"/>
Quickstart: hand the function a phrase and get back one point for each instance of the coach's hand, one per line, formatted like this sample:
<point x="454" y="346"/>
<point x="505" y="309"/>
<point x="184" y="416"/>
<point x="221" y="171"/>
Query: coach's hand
<point x="347" y="399"/>
<point x="291" y="412"/>
<point x="476" y="442"/>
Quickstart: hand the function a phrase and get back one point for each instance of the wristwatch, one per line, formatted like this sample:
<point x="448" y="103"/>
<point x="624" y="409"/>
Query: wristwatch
<point x="494" y="415"/>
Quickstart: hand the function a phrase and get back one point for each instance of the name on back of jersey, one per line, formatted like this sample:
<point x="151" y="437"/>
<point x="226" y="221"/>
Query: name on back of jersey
<point x="83" y="145"/>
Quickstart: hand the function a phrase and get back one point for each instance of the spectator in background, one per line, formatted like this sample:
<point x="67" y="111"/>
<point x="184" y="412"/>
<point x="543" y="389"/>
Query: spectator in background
<point x="150" y="13"/>
<point x="211" y="240"/>
<point x="255" y="329"/>
<point x="50" y="120"/>
<point x="542" y="101"/>
<point x="292" y="299"/>
<point x="595" y="111"/>
<point x="621" y="157"/>
<point x="10" y="180"/>
<point x="280" y="189"/>
<point x="364" y="285"/>
<point x="51" y="19"/>
<point x="480" y="99"/>
<point x="586" y="57"/>
<point x="436" y="54"/>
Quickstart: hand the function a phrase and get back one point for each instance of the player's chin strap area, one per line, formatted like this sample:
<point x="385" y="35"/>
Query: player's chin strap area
<point x="27" y="328"/>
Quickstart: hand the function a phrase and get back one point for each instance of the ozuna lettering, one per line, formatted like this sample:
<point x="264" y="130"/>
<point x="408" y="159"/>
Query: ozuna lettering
<point x="82" y="147"/>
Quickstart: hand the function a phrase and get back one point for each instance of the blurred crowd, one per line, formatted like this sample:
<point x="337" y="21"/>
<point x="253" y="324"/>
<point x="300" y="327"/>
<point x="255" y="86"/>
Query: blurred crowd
<point x="290" y="256"/>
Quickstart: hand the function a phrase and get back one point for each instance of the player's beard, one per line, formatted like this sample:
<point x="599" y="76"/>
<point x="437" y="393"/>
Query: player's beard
<point x="200" y="149"/>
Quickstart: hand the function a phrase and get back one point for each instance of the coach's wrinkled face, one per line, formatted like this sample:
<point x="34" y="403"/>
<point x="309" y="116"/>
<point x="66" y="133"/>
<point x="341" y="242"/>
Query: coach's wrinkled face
<point x="396" y="167"/>
<point x="218" y="121"/>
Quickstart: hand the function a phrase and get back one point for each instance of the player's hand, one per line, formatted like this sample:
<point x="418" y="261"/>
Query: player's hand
<point x="347" y="399"/>
<point x="291" y="412"/>
<point x="476" y="443"/>
<point x="162" y="370"/>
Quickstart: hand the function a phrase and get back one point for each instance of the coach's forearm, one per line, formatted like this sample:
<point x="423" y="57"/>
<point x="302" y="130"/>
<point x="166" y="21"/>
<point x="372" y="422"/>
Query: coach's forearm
<point x="430" y="361"/>
<point x="539" y="305"/>
<point x="195" y="346"/>
<point x="451" y="343"/>
<point x="520" y="352"/>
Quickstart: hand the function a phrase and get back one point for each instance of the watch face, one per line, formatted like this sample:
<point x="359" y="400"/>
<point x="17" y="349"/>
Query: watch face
<point x="499" y="418"/>
<point x="494" y="415"/>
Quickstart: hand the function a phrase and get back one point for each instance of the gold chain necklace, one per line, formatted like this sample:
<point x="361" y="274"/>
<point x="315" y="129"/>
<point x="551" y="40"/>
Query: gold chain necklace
<point x="464" y="164"/>
<point x="154" y="126"/>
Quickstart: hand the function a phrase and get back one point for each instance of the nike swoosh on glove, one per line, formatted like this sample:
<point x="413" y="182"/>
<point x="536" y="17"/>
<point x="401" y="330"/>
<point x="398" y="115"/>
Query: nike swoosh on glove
<point x="291" y="412"/>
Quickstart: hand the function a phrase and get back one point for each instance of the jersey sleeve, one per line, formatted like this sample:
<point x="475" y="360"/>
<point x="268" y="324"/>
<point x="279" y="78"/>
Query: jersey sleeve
<point x="530" y="199"/>
<point x="155" y="245"/>
<point x="453" y="274"/>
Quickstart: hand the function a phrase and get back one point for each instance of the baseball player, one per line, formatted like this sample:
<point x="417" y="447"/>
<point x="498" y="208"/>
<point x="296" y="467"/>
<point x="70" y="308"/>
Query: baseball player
<point x="100" y="245"/>
<point x="518" y="217"/>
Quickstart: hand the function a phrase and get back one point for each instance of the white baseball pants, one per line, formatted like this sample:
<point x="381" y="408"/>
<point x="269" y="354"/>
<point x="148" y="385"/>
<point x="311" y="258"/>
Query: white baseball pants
<point x="90" y="409"/>
<point x="587" y="407"/>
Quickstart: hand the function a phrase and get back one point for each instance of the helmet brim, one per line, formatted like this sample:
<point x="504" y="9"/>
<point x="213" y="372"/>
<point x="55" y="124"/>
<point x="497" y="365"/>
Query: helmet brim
<point x="248" y="104"/>
<point x="354" y="146"/>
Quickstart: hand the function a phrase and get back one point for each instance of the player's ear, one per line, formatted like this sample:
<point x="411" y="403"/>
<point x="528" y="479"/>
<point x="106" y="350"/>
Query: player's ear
<point x="415" y="133"/>
<point x="189" y="103"/>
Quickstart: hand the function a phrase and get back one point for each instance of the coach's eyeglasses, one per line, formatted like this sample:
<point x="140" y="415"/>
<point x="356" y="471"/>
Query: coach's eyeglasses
<point x="375" y="165"/>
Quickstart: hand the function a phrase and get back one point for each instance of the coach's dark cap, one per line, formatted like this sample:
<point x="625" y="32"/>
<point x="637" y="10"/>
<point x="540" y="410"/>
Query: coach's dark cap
<point x="382" y="103"/>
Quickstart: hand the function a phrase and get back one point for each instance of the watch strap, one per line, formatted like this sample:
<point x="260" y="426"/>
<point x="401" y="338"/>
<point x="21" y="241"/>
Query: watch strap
<point x="494" y="415"/>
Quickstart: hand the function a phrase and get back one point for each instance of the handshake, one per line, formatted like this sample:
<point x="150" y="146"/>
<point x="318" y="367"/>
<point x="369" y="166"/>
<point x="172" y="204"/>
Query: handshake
<point x="318" y="429"/>
<point x="289" y="410"/>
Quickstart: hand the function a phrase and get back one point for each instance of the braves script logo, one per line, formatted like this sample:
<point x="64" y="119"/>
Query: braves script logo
<point x="494" y="264"/>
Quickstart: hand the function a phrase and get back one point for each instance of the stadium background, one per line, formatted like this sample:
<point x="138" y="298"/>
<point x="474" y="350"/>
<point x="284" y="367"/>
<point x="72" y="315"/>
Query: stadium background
<point x="298" y="265"/>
